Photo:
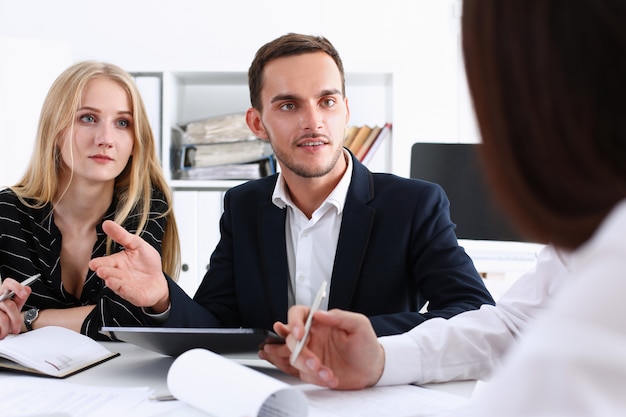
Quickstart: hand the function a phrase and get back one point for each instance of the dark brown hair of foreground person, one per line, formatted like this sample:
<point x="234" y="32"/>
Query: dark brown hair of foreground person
<point x="549" y="91"/>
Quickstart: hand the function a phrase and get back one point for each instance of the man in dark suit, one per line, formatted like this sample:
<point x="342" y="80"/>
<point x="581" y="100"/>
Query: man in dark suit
<point x="385" y="245"/>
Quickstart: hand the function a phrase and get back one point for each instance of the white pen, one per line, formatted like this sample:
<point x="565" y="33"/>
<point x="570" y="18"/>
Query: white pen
<point x="10" y="294"/>
<point x="321" y="293"/>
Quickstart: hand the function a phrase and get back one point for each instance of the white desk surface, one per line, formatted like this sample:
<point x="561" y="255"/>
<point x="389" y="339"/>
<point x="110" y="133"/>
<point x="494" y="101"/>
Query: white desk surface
<point x="138" y="367"/>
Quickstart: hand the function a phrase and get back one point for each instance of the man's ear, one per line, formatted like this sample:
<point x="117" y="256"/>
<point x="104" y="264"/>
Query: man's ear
<point x="253" y="119"/>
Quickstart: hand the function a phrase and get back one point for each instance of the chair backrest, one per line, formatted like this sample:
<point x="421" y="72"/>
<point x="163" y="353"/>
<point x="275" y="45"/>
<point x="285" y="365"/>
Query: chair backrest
<point x="454" y="166"/>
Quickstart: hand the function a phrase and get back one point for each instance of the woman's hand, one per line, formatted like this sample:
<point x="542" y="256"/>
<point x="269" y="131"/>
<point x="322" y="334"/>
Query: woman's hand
<point x="134" y="273"/>
<point x="10" y="309"/>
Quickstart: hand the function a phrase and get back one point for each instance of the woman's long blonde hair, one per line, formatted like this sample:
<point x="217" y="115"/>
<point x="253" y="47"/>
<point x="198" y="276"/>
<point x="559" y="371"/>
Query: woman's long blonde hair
<point x="133" y="187"/>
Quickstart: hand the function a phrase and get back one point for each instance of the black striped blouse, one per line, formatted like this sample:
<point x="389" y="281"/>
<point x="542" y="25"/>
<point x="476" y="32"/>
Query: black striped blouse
<point x="30" y="243"/>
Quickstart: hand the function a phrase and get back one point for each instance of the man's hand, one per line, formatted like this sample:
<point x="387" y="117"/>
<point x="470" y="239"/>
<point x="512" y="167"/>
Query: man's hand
<point x="135" y="273"/>
<point x="342" y="351"/>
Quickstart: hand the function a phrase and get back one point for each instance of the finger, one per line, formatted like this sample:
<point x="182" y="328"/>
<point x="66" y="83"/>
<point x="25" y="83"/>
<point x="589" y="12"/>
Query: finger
<point x="277" y="350"/>
<point x="11" y="319"/>
<point x="281" y="329"/>
<point x="9" y="284"/>
<point x="345" y="320"/>
<point x="296" y="330"/>
<point x="21" y="296"/>
<point x="5" y="325"/>
<point x="121" y="235"/>
<point x="307" y="361"/>
<point x="296" y="316"/>
<point x="112" y="282"/>
<point x="278" y="355"/>
<point x="104" y="265"/>
<point x="104" y="271"/>
<point x="323" y="376"/>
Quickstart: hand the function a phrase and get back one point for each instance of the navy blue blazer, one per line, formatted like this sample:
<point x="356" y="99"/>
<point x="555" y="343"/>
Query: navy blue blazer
<point x="397" y="251"/>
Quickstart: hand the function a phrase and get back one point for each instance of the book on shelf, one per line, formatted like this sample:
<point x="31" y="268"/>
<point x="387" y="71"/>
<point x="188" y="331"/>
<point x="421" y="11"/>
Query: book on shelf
<point x="384" y="132"/>
<point x="362" y="150"/>
<point x="359" y="137"/>
<point x="349" y="135"/>
<point x="51" y="351"/>
<point x="364" y="140"/>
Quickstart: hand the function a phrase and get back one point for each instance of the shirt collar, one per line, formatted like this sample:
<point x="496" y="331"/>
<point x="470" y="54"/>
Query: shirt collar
<point x="337" y="198"/>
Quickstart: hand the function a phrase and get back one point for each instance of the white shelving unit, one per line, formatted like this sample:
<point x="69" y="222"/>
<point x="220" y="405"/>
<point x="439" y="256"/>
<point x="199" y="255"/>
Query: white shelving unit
<point x="179" y="97"/>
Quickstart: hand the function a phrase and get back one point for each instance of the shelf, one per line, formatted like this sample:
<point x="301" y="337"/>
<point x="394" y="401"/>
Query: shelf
<point x="209" y="185"/>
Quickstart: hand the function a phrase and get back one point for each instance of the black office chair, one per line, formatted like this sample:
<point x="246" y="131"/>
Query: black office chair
<point x="454" y="166"/>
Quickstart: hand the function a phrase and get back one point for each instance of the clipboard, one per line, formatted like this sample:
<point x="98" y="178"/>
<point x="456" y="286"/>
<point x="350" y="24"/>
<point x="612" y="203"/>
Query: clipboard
<point x="175" y="341"/>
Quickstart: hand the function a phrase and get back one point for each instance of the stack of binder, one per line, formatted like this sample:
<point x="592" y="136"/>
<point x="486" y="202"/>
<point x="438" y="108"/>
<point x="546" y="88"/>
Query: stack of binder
<point x="219" y="147"/>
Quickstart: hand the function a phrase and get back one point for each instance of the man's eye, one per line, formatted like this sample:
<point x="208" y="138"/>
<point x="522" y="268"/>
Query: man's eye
<point x="329" y="102"/>
<point x="288" y="106"/>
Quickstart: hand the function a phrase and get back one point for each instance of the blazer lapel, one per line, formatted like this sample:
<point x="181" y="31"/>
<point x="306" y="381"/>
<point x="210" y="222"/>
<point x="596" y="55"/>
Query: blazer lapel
<point x="356" y="226"/>
<point x="274" y="258"/>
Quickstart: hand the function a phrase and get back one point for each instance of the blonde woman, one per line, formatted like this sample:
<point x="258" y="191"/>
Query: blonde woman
<point x="94" y="160"/>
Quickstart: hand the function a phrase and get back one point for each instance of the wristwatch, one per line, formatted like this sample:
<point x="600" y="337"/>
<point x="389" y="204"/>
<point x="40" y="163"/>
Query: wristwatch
<point x="29" y="317"/>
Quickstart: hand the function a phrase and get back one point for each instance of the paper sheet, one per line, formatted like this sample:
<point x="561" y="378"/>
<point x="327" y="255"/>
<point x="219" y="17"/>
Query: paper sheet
<point x="28" y="396"/>
<point x="222" y="387"/>
<point x="392" y="401"/>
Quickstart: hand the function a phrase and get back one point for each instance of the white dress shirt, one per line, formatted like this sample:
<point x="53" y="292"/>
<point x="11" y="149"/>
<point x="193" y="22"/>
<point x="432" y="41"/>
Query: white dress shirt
<point x="470" y="345"/>
<point x="572" y="360"/>
<point x="312" y="243"/>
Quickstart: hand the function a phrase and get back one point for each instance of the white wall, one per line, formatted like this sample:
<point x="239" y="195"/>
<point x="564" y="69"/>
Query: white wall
<point x="417" y="40"/>
<point x="27" y="68"/>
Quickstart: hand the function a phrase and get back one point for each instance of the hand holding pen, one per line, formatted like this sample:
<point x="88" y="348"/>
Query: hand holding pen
<point x="10" y="315"/>
<point x="317" y="302"/>
<point x="343" y="354"/>
<point x="10" y="294"/>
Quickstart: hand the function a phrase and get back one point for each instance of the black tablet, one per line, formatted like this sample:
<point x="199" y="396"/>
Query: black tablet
<point x="174" y="341"/>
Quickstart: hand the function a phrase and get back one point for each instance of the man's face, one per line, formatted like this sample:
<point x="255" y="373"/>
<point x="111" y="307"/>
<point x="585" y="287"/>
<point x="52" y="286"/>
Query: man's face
<point x="304" y="113"/>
